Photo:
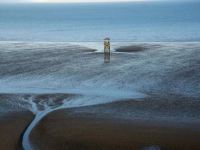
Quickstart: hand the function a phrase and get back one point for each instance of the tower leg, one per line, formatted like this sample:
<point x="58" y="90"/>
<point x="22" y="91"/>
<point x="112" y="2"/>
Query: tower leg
<point x="106" y="57"/>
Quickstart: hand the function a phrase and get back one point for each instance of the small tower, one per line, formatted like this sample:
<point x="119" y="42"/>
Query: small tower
<point x="106" y="50"/>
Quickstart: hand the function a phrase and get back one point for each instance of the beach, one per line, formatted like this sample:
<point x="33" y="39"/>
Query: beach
<point x="59" y="90"/>
<point x="92" y="128"/>
<point x="63" y="96"/>
<point x="115" y="125"/>
<point x="12" y="126"/>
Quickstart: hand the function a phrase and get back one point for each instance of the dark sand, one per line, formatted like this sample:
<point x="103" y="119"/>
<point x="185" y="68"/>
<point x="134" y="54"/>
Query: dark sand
<point x="137" y="48"/>
<point x="12" y="126"/>
<point x="91" y="128"/>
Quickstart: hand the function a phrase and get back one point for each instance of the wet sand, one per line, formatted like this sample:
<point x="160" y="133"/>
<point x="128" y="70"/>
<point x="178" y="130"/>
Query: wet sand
<point x="172" y="123"/>
<point x="91" y="128"/>
<point x="12" y="126"/>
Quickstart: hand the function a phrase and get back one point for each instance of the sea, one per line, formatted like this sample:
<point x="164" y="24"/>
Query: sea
<point x="92" y="22"/>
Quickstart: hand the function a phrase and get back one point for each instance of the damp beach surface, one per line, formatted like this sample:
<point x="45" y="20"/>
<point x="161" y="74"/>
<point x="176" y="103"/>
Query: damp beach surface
<point x="63" y="96"/>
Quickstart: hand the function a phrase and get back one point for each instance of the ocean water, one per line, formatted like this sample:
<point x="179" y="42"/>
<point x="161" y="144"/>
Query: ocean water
<point x="135" y="22"/>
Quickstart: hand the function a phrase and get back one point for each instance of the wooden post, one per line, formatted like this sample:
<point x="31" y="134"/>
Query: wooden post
<point x="106" y="50"/>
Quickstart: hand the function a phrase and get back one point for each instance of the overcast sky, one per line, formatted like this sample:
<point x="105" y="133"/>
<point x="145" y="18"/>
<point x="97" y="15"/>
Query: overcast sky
<point x="45" y="1"/>
<point x="18" y="1"/>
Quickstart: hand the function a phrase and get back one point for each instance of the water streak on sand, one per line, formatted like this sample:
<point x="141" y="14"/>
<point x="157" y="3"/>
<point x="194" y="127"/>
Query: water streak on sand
<point x="39" y="114"/>
<point x="75" y="101"/>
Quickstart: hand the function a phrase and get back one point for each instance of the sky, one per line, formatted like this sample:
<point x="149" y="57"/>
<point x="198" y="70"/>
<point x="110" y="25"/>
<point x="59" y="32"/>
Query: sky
<point x="70" y="1"/>
<point x="84" y="0"/>
<point x="65" y="1"/>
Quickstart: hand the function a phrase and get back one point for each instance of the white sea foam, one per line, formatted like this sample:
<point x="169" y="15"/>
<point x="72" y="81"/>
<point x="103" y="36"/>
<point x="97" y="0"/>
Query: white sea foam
<point x="39" y="68"/>
<point x="62" y="67"/>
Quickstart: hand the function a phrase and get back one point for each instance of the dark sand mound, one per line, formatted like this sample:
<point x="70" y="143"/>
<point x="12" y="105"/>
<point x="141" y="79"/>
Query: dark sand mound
<point x="137" y="48"/>
<point x="12" y="126"/>
<point x="106" y="127"/>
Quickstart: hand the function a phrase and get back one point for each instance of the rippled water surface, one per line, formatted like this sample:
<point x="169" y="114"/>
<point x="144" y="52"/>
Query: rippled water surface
<point x="140" y="21"/>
